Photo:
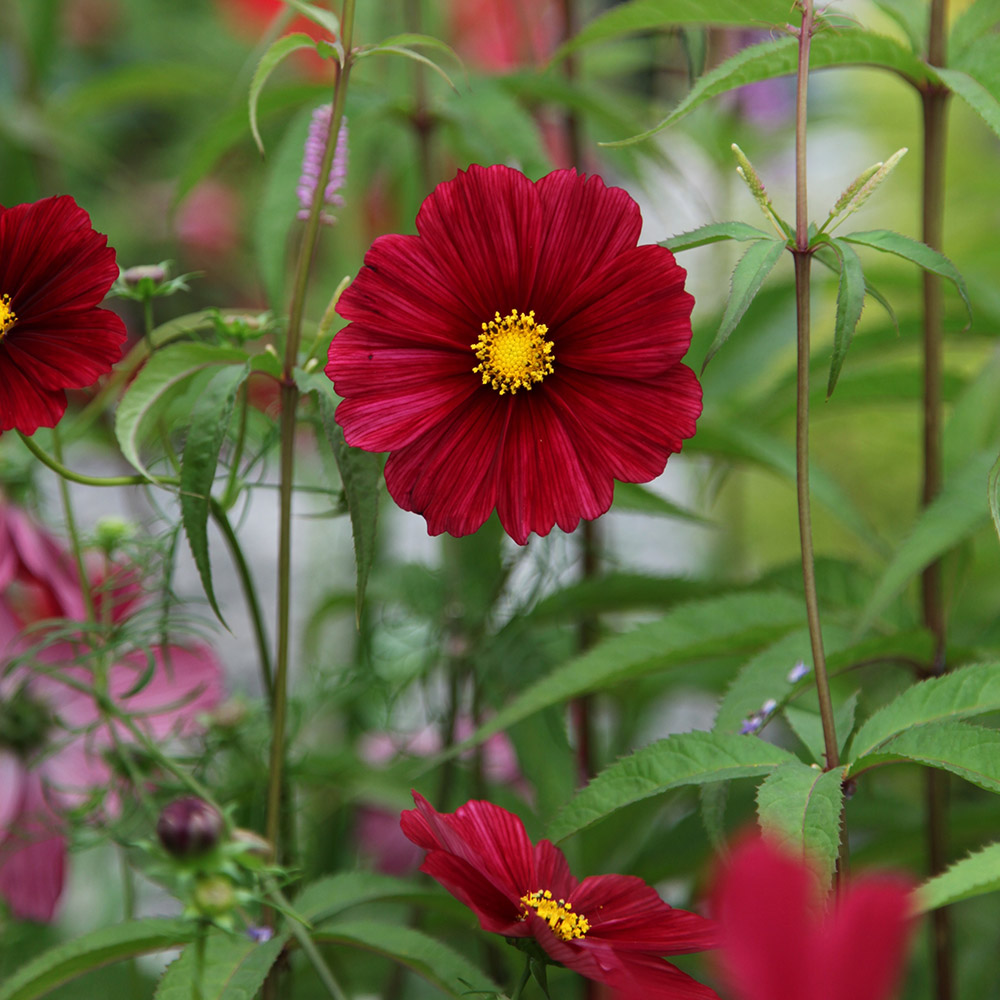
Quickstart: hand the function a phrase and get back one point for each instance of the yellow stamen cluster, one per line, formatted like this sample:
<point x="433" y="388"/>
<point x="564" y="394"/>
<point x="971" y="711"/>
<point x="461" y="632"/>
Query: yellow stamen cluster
<point x="513" y="352"/>
<point x="7" y="316"/>
<point x="558" y="914"/>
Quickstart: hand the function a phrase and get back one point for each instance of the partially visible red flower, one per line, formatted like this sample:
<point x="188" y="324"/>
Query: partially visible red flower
<point x="610" y="928"/>
<point x="520" y="353"/>
<point x="782" y="941"/>
<point x="500" y="35"/>
<point x="54" y="272"/>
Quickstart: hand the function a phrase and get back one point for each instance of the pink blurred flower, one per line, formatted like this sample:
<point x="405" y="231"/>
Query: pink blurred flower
<point x="207" y="222"/>
<point x="782" y="941"/>
<point x="500" y="35"/>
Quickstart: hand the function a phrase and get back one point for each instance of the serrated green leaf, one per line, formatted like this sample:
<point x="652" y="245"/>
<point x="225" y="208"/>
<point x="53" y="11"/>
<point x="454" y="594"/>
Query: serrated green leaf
<point x="978" y="97"/>
<point x="715" y="232"/>
<point x="843" y="47"/>
<point x="754" y="266"/>
<point x="971" y="752"/>
<point x="318" y="15"/>
<point x="961" y="694"/>
<point x="800" y="806"/>
<point x="713" y="799"/>
<point x="686" y="634"/>
<point x="974" y="875"/>
<point x="402" y="50"/>
<point x="914" y="251"/>
<point x="960" y="509"/>
<point x="911" y="17"/>
<point x="994" y="494"/>
<point x="66" y="962"/>
<point x="850" y="303"/>
<point x="278" y="50"/>
<point x="360" y="475"/>
<point x="644" y="15"/>
<point x="642" y="500"/>
<point x="696" y="758"/>
<point x="974" y="419"/>
<point x="206" y="432"/>
<point x="808" y="726"/>
<point x="164" y="371"/>
<point x="978" y="20"/>
<point x="434" y="961"/>
<point x="234" y="969"/>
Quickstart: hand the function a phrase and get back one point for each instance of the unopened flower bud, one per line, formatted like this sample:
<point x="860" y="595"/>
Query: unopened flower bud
<point x="154" y="272"/>
<point x="214" y="896"/>
<point x="111" y="532"/>
<point x="189" y="827"/>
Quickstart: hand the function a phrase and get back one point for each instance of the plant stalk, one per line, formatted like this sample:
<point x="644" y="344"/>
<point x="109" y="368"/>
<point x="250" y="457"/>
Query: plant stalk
<point x="934" y="101"/>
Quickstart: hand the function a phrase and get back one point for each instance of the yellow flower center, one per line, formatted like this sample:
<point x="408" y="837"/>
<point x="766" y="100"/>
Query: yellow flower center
<point x="513" y="352"/>
<point x="7" y="316"/>
<point x="558" y="914"/>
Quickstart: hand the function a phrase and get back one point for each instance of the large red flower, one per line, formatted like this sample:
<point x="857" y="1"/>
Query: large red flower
<point x="520" y="353"/>
<point x="54" y="272"/>
<point x="610" y="928"/>
<point x="781" y="943"/>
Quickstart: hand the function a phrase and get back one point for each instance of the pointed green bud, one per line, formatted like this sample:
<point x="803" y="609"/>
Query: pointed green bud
<point x="853" y="188"/>
<point x="863" y="187"/>
<point x="752" y="180"/>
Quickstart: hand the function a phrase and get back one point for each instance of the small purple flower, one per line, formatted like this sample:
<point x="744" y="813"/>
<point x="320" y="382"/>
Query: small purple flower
<point x="755" y="721"/>
<point x="259" y="935"/>
<point x="312" y="161"/>
<point x="797" y="672"/>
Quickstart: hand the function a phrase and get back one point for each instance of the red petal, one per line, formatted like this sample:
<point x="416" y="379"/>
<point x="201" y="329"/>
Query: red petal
<point x="629" y="914"/>
<point x="449" y="475"/>
<point x="24" y="404"/>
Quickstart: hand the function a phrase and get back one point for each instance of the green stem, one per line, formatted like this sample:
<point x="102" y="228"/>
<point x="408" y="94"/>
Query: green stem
<point x="934" y="102"/>
<point x="71" y="529"/>
<point x="523" y="981"/>
<point x="289" y="406"/>
<point x="56" y="465"/>
<point x="803" y="261"/>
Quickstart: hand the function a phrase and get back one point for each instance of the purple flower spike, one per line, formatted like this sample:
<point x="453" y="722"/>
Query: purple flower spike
<point x="312" y="161"/>
<point x="752" y="724"/>
<point x="797" y="672"/>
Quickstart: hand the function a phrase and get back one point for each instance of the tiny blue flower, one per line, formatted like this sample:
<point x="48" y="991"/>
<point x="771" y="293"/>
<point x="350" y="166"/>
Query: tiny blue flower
<point x="798" y="672"/>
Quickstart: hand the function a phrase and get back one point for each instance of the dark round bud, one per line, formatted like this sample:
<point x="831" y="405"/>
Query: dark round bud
<point x="189" y="826"/>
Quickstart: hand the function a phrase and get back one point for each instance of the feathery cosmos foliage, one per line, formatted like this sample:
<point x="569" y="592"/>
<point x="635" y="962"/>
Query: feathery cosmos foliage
<point x="520" y="353"/>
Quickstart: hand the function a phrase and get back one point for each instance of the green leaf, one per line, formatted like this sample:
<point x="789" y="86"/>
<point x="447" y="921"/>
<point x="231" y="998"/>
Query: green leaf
<point x="974" y="875"/>
<point x="980" y="98"/>
<point x="971" y="752"/>
<point x="164" y="371"/>
<point x="911" y="17"/>
<point x="67" y="961"/>
<point x="688" y="633"/>
<point x="808" y="726"/>
<point x="850" y="303"/>
<point x="402" y="50"/>
<point x="961" y="694"/>
<point x="206" y="432"/>
<point x="696" y="758"/>
<point x="754" y="266"/>
<point x="843" y="47"/>
<point x="234" y="969"/>
<point x="278" y="50"/>
<point x="360" y="475"/>
<point x="960" y="509"/>
<point x="318" y="15"/>
<point x="642" y="500"/>
<point x="715" y="232"/>
<point x="914" y="251"/>
<point x="645" y="15"/>
<point x="328" y="897"/>
<point x="800" y="805"/>
<point x="994" y="494"/>
<point x="976" y="21"/>
<point x="434" y="961"/>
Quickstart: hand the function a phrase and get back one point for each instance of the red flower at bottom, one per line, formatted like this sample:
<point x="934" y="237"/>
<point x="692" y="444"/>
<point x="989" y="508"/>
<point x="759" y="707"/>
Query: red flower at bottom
<point x="610" y="928"/>
<point x="780" y="943"/>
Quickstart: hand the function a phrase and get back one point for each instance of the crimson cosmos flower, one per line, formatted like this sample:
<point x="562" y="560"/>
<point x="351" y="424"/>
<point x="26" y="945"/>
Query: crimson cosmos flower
<point x="610" y="928"/>
<point x="520" y="353"/>
<point x="781" y="943"/>
<point x="54" y="272"/>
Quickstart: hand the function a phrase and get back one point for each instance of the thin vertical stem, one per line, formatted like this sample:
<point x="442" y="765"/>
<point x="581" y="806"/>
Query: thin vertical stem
<point x="289" y="406"/>
<point x="934" y="102"/>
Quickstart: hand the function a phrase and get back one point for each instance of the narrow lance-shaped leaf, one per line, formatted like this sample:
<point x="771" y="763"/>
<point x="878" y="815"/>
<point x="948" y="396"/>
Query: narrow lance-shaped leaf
<point x="974" y="875"/>
<point x="276" y="52"/>
<point x="850" y="303"/>
<point x="975" y="94"/>
<point x="683" y="759"/>
<point x="318" y="15"/>
<point x="994" y="494"/>
<point x="961" y="694"/>
<point x="960" y="509"/>
<point x="715" y="232"/>
<point x="402" y="50"/>
<point x="206" y="432"/>
<point x="914" y="251"/>
<point x="748" y="275"/>
<point x="800" y="805"/>
<point x="975" y="22"/>
<point x="66" y="962"/>
<point x="234" y="968"/>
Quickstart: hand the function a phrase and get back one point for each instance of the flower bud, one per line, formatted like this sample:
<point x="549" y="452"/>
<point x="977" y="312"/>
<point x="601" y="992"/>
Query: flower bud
<point x="214" y="896"/>
<point x="152" y="272"/>
<point x="189" y="827"/>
